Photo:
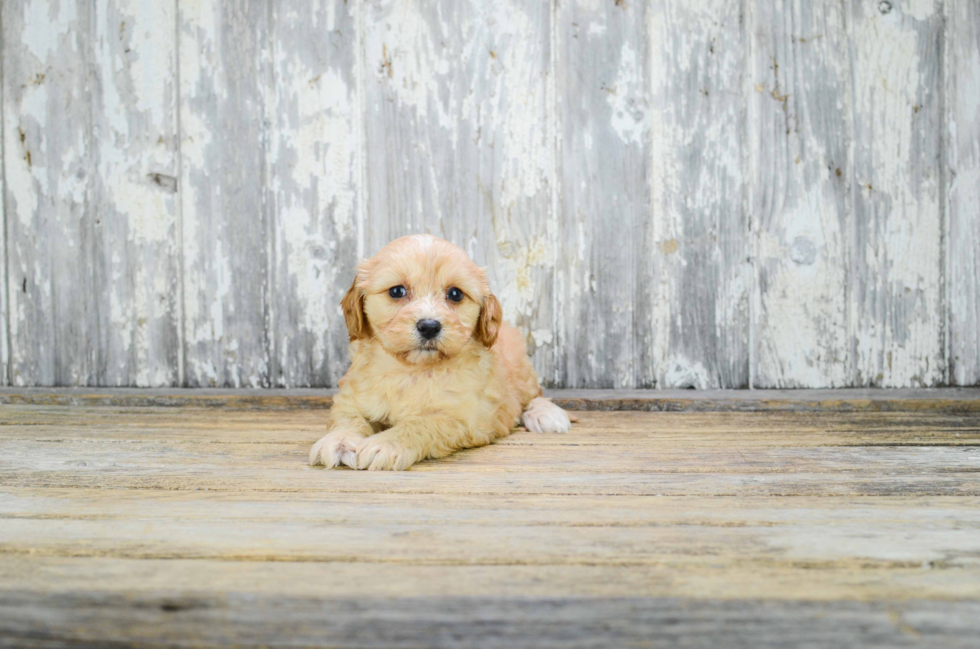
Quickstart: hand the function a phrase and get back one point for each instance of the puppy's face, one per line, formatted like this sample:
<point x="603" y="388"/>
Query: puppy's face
<point x="423" y="300"/>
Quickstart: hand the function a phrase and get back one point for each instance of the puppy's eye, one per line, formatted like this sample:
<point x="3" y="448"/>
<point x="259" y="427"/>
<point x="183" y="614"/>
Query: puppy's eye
<point x="397" y="292"/>
<point x="455" y="294"/>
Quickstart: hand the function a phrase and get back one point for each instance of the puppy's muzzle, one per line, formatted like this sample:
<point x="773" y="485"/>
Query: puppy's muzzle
<point x="429" y="329"/>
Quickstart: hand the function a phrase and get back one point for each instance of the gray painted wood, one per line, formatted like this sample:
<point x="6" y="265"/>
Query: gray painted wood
<point x="962" y="81"/>
<point x="90" y="163"/>
<point x="896" y="297"/>
<point x="459" y="143"/>
<point x="701" y="228"/>
<point x="50" y="620"/>
<point x="604" y="270"/>
<point x="4" y="289"/>
<point x="316" y="177"/>
<point x="227" y="104"/>
<point x="656" y="201"/>
<point x="798" y="121"/>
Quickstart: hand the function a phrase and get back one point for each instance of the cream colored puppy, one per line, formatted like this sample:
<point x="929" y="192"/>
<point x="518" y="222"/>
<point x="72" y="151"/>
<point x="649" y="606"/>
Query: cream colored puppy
<point x="433" y="367"/>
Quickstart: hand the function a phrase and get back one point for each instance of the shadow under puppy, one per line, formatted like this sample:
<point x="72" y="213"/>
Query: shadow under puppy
<point x="434" y="368"/>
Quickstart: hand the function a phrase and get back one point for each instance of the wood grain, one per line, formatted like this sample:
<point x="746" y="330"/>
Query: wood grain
<point x="608" y="454"/>
<point x="800" y="185"/>
<point x="315" y="168"/>
<point x="480" y="621"/>
<point x="4" y="286"/>
<point x="962" y="96"/>
<point x="90" y="159"/>
<point x="701" y="229"/>
<point x="896" y="265"/>
<point x="604" y="275"/>
<point x="653" y="187"/>
<point x="187" y="525"/>
<point x="227" y="103"/>
<point x="459" y="143"/>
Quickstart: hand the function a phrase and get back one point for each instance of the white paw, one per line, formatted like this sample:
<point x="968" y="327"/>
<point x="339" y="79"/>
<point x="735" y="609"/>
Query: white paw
<point x="386" y="452"/>
<point x="336" y="448"/>
<point x="542" y="416"/>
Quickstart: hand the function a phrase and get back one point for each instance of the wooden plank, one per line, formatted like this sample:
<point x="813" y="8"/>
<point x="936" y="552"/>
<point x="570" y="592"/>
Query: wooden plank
<point x="226" y="113"/>
<point x="962" y="137"/>
<point x="181" y="578"/>
<point x="292" y="478"/>
<point x="955" y="400"/>
<point x="498" y="543"/>
<point x="798" y="114"/>
<point x="758" y="456"/>
<point x="493" y="622"/>
<point x="608" y="454"/>
<point x="701" y="229"/>
<point x="896" y="266"/>
<point x="316" y="166"/>
<point x="36" y="503"/>
<point x="668" y="433"/>
<point x="4" y="286"/>
<point x="180" y="526"/>
<point x="806" y="532"/>
<point x="759" y="401"/>
<point x="459" y="143"/>
<point x="90" y="161"/>
<point x="605" y="278"/>
<point x="671" y="434"/>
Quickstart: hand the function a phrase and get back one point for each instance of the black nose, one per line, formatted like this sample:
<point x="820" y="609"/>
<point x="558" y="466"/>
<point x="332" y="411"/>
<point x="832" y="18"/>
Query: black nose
<point x="429" y="328"/>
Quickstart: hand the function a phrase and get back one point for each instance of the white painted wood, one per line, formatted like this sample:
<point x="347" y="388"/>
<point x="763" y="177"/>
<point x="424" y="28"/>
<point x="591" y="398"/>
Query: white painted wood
<point x="701" y="232"/>
<point x="653" y="186"/>
<point x="604" y="270"/>
<point x="90" y="164"/>
<point x="800" y="180"/>
<point x="459" y="143"/>
<point x="226" y="115"/>
<point x="962" y="133"/>
<point x="315" y="167"/>
<point x="4" y="286"/>
<point x="895" y="302"/>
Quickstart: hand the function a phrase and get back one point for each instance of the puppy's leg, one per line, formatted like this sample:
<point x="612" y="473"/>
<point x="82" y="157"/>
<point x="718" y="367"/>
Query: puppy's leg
<point x="542" y="416"/>
<point x="339" y="446"/>
<point x="411" y="441"/>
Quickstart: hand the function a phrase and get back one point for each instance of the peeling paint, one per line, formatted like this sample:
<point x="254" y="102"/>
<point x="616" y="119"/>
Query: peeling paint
<point x="919" y="9"/>
<point x="961" y="87"/>
<point x="627" y="97"/>
<point x="697" y="158"/>
<point x="97" y="305"/>
<point x="316" y="181"/>
<point x="669" y="193"/>
<point x="897" y="298"/>
<point x="7" y="284"/>
<point x="800" y="196"/>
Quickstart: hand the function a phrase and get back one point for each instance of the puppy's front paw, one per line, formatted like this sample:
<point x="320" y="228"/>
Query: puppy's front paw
<point x="336" y="448"/>
<point x="542" y="416"/>
<point x="386" y="451"/>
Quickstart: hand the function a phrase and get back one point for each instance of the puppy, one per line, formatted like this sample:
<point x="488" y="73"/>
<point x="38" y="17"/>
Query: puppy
<point x="433" y="367"/>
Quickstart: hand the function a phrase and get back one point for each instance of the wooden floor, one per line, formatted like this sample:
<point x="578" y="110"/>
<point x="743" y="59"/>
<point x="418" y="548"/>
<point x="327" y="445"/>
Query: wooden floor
<point x="187" y="526"/>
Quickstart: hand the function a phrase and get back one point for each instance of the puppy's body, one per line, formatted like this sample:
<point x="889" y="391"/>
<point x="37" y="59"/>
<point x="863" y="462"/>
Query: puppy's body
<point x="407" y="397"/>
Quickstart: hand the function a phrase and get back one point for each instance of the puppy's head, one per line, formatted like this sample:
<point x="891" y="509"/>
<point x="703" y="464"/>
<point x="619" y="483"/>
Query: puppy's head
<point x="423" y="299"/>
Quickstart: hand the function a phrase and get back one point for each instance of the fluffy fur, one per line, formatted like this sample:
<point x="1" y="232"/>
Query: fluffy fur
<point x="406" y="398"/>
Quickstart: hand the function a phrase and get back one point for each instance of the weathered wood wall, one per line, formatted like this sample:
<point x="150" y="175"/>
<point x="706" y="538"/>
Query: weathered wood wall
<point x="697" y="193"/>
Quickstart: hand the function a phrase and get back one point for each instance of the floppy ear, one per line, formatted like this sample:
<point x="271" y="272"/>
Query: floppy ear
<point x="353" y="306"/>
<point x="487" y="327"/>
